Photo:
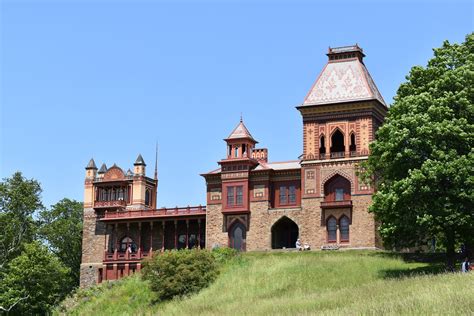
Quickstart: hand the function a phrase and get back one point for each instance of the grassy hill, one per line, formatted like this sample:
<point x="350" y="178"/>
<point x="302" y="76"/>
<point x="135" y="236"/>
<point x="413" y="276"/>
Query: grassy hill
<point x="289" y="283"/>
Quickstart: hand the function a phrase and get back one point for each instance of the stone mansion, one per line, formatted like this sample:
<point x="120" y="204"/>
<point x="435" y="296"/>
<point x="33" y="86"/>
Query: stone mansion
<point x="252" y="203"/>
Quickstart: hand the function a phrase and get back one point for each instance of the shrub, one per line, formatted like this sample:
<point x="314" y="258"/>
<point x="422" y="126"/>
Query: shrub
<point x="223" y="255"/>
<point x="180" y="272"/>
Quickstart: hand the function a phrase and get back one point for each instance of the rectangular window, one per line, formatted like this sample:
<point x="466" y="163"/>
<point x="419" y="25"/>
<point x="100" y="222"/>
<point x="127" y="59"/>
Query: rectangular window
<point x="287" y="195"/>
<point x="339" y="194"/>
<point x="235" y="196"/>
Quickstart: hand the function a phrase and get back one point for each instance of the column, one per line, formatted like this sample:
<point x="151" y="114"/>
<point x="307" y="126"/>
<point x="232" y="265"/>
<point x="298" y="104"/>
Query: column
<point x="127" y="254"/>
<point x="163" y="224"/>
<point x="105" y="242"/>
<point x="116" y="241"/>
<point x="139" y="254"/>
<point x="199" y="233"/>
<point x="187" y="233"/>
<point x="150" y="251"/>
<point x="175" y="234"/>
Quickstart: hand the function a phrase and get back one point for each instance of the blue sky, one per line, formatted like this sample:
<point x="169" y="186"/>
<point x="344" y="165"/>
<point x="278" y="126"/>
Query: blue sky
<point x="106" y="79"/>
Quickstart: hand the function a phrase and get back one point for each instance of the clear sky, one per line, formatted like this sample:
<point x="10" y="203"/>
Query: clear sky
<point x="106" y="79"/>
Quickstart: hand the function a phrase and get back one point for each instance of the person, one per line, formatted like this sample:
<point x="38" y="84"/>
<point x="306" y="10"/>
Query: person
<point x="306" y="246"/>
<point x="465" y="266"/>
<point x="298" y="245"/>
<point x="129" y="248"/>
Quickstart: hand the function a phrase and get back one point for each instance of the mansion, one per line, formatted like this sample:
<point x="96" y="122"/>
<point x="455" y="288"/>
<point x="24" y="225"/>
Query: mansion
<point x="251" y="203"/>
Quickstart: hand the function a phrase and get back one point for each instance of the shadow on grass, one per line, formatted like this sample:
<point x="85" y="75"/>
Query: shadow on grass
<point x="435" y="264"/>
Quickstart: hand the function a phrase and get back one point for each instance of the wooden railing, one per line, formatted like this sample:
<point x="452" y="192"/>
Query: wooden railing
<point x="334" y="204"/>
<point x="163" y="212"/>
<point x="126" y="256"/>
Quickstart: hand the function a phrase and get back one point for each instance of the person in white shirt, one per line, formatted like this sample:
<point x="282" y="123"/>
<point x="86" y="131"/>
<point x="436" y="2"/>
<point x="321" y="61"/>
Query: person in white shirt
<point x="465" y="266"/>
<point x="298" y="245"/>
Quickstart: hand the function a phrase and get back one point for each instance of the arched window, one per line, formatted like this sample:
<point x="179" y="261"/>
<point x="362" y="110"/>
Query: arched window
<point x="344" y="228"/>
<point x="331" y="226"/>
<point x="244" y="150"/>
<point x="236" y="152"/>
<point x="337" y="142"/>
<point x="352" y="147"/>
<point x="230" y="151"/>
<point x="147" y="197"/>
<point x="126" y="242"/>
<point x="337" y="188"/>
<point x="322" y="146"/>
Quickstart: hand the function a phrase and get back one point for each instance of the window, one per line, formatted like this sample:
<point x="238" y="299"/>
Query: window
<point x="332" y="229"/>
<point x="235" y="196"/>
<point x="352" y="146"/>
<point x="244" y="151"/>
<point x="344" y="228"/>
<point x="128" y="242"/>
<point x="147" y="197"/>
<point x="288" y="195"/>
<point x="230" y="151"/>
<point x="322" y="146"/>
<point x="339" y="194"/>
<point x="236" y="152"/>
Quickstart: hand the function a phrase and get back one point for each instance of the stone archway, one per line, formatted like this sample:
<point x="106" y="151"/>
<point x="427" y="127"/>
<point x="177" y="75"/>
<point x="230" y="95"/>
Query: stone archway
<point x="284" y="233"/>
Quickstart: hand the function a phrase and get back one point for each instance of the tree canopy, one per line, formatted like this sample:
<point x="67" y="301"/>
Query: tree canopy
<point x="423" y="156"/>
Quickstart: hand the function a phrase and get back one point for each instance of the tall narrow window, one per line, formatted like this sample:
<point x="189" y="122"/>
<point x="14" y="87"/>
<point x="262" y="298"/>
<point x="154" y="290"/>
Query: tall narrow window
<point x="236" y="152"/>
<point x="352" y="147"/>
<point x="332" y="229"/>
<point x="147" y="197"/>
<point x="244" y="150"/>
<point x="230" y="196"/>
<point x="230" y="151"/>
<point x="322" y="146"/>
<point x="292" y="194"/>
<point x="283" y="195"/>
<point x="240" y="196"/>
<point x="338" y="147"/>
<point x="344" y="228"/>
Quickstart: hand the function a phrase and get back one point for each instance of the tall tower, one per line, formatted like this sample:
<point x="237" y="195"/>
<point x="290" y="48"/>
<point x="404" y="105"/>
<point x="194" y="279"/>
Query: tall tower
<point x="341" y="113"/>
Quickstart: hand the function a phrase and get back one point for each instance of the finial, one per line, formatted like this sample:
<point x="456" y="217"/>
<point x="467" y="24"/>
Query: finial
<point x="241" y="120"/>
<point x="156" y="161"/>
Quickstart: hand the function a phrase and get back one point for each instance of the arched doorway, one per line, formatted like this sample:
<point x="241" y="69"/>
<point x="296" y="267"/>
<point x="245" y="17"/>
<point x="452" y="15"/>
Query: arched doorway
<point x="337" y="142"/>
<point x="237" y="235"/>
<point x="284" y="233"/>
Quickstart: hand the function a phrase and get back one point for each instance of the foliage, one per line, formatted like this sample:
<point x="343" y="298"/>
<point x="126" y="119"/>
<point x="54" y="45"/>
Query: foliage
<point x="224" y="254"/>
<point x="61" y="227"/>
<point x="19" y="199"/>
<point x="423" y="156"/>
<point x="179" y="273"/>
<point x="302" y="283"/>
<point x="36" y="277"/>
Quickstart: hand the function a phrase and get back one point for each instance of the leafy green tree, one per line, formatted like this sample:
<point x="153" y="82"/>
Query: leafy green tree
<point x="34" y="283"/>
<point x="61" y="227"/>
<point x="19" y="200"/>
<point x="423" y="157"/>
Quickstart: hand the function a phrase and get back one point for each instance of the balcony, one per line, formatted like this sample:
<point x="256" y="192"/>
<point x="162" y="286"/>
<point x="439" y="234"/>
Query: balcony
<point x="110" y="204"/>
<point x="336" y="204"/>
<point x="335" y="155"/>
<point x="163" y="212"/>
<point x="126" y="256"/>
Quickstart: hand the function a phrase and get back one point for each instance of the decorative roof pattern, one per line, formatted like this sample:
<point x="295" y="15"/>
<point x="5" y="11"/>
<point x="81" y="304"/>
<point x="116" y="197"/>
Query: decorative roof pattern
<point x="343" y="81"/>
<point x="241" y="131"/>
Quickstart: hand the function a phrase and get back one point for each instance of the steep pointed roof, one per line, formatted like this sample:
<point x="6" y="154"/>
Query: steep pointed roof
<point x="91" y="164"/>
<point x="139" y="161"/>
<point x="240" y="132"/>
<point x="344" y="79"/>
<point x="103" y="168"/>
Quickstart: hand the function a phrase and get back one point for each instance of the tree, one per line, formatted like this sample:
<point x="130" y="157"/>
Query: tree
<point x="19" y="199"/>
<point x="423" y="157"/>
<point x="61" y="227"/>
<point x="34" y="281"/>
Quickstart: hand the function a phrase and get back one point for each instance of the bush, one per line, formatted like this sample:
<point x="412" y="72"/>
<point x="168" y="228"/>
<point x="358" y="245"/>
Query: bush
<point x="180" y="272"/>
<point x="223" y="255"/>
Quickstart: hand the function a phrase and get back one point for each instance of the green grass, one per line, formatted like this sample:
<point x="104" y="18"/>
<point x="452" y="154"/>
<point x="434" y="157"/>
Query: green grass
<point x="289" y="283"/>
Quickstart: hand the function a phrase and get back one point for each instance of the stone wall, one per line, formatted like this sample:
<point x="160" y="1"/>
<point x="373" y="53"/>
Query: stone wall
<point x="214" y="226"/>
<point x="93" y="240"/>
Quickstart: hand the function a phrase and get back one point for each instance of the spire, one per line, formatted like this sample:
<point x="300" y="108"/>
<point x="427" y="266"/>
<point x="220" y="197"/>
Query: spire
<point x="139" y="161"/>
<point x="344" y="79"/>
<point x="91" y="165"/>
<point x="103" y="168"/>
<point x="156" y="161"/>
<point x="241" y="132"/>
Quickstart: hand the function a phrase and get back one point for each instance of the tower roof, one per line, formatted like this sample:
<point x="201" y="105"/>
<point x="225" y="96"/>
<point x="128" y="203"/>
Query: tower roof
<point x="139" y="161"/>
<point x="344" y="79"/>
<point x="103" y="168"/>
<point x="91" y="164"/>
<point x="240" y="132"/>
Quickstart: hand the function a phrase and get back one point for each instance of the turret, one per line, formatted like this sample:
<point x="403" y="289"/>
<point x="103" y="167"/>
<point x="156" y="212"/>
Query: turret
<point x="91" y="169"/>
<point x="139" y="166"/>
<point x="240" y="143"/>
<point x="102" y="170"/>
